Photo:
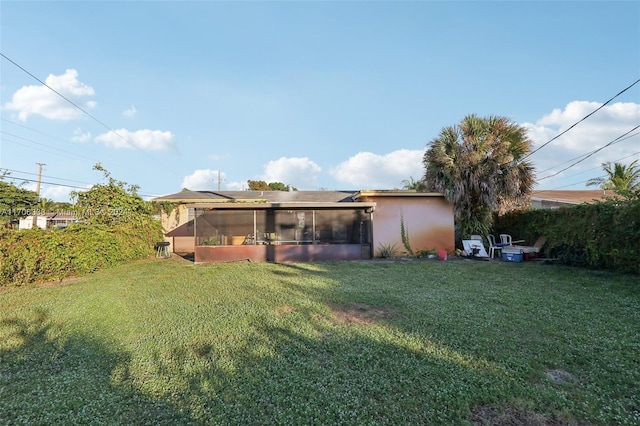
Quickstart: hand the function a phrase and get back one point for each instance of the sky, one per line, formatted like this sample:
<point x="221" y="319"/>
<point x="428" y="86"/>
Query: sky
<point x="333" y="95"/>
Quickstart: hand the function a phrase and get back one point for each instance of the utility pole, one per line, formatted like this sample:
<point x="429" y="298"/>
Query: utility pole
<point x="219" y="180"/>
<point x="35" y="211"/>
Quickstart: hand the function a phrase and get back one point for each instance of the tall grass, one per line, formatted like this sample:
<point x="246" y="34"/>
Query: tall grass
<point x="421" y="342"/>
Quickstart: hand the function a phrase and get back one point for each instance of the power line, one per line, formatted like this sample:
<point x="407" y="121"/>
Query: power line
<point x="78" y="107"/>
<point x="83" y="188"/>
<point x="48" y="183"/>
<point x="51" y="177"/>
<point x="45" y="145"/>
<point x="70" y="101"/>
<point x="579" y="121"/>
<point x="587" y="154"/>
<point x="594" y="168"/>
<point x="618" y="139"/>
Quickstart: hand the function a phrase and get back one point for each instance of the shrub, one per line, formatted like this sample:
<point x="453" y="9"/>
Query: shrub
<point x="36" y="255"/>
<point x="387" y="251"/>
<point x="118" y="226"/>
<point x="603" y="235"/>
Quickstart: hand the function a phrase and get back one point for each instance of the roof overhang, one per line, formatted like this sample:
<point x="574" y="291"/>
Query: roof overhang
<point x="396" y="193"/>
<point x="282" y="206"/>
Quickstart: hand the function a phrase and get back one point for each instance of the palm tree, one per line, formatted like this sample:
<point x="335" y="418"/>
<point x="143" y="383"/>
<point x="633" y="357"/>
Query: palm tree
<point x="619" y="177"/>
<point x="410" y="183"/>
<point x="478" y="166"/>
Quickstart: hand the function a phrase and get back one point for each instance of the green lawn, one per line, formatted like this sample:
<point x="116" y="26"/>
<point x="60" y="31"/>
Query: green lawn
<point x="420" y="342"/>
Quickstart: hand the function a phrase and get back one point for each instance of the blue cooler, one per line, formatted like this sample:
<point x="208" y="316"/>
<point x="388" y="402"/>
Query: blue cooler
<point x="511" y="255"/>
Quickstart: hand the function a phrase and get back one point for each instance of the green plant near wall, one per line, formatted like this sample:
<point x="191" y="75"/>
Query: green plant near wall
<point x="213" y="241"/>
<point x="387" y="251"/>
<point x="404" y="235"/>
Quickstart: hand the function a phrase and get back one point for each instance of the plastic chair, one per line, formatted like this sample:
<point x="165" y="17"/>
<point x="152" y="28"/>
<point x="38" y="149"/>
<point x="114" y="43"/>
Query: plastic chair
<point x="506" y="239"/>
<point x="493" y="246"/>
<point x="535" y="248"/>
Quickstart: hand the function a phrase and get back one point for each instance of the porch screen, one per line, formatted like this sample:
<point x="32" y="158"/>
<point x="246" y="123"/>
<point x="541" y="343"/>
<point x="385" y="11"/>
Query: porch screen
<point x="224" y="227"/>
<point x="341" y="227"/>
<point x="272" y="226"/>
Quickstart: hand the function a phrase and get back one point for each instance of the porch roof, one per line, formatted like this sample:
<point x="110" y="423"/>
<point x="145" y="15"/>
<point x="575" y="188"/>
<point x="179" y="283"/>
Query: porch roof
<point x="356" y="205"/>
<point x="319" y="197"/>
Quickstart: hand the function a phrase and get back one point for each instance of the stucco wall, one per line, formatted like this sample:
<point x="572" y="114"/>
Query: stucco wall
<point x="179" y="216"/>
<point x="428" y="222"/>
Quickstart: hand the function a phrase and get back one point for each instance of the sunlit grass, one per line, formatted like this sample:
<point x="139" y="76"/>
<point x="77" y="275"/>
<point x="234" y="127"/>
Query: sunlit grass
<point x="424" y="342"/>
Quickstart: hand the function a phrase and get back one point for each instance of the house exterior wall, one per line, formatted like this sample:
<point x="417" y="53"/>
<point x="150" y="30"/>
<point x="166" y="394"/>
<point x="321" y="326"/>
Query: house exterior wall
<point x="184" y="242"/>
<point x="428" y="222"/>
<point x="280" y="253"/>
<point x="427" y="217"/>
<point x="27" y="222"/>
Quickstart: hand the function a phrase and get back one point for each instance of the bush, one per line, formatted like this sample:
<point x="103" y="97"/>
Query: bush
<point x="603" y="235"/>
<point x="118" y="226"/>
<point x="36" y="255"/>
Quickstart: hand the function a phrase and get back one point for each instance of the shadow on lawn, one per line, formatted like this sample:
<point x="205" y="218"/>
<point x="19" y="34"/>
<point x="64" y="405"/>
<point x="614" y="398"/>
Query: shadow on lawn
<point x="327" y="368"/>
<point x="69" y="380"/>
<point x="301" y="365"/>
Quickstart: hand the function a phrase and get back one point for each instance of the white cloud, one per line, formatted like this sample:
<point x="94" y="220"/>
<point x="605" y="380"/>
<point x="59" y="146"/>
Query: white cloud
<point x="595" y="132"/>
<point x="203" y="180"/>
<point x="56" y="193"/>
<point x="367" y="170"/>
<point x="131" y="112"/>
<point x="40" y="100"/>
<point x="146" y="140"/>
<point x="79" y="136"/>
<point x="52" y="192"/>
<point x="299" y="172"/>
<point x="234" y="186"/>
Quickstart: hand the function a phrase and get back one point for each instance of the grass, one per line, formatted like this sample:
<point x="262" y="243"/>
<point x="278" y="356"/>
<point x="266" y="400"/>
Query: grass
<point x="420" y="342"/>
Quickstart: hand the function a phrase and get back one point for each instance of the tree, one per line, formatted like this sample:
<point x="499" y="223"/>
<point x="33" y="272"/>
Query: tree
<point x="620" y="178"/>
<point x="116" y="203"/>
<point x="15" y="202"/>
<point x="48" y="205"/>
<point x="478" y="165"/>
<point x="417" y="185"/>
<point x="260" y="185"/>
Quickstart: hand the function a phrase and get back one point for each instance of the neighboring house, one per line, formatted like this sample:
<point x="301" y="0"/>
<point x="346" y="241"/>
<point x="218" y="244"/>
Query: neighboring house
<point x="553" y="199"/>
<point x="47" y="221"/>
<point x="282" y="226"/>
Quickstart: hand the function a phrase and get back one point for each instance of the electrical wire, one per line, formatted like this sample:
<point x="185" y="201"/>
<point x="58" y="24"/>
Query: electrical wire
<point x="44" y="145"/>
<point x="44" y="176"/>
<point x="79" y="107"/>
<point x="83" y="188"/>
<point x="594" y="168"/>
<point x="618" y="139"/>
<point x="87" y="113"/>
<point x="579" y="121"/>
<point x="586" y="154"/>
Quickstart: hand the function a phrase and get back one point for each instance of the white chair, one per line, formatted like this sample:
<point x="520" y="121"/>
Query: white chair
<point x="506" y="239"/>
<point x="493" y="247"/>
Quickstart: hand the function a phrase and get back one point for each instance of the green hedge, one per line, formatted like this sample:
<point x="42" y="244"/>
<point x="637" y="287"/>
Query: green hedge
<point x="37" y="255"/>
<point x="604" y="235"/>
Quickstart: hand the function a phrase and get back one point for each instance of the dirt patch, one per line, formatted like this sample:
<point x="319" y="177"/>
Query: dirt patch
<point x="54" y="283"/>
<point x="559" y="376"/>
<point x="511" y="416"/>
<point x="284" y="310"/>
<point x="360" y="313"/>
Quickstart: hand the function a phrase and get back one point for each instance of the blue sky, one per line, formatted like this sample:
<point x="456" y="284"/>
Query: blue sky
<point x="334" y="95"/>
